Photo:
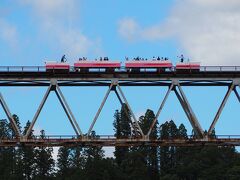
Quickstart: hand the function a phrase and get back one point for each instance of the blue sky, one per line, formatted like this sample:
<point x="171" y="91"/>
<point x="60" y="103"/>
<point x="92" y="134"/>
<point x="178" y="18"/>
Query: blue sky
<point x="32" y="32"/>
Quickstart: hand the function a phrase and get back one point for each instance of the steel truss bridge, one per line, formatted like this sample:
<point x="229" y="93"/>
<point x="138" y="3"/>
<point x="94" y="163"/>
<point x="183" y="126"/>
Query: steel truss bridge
<point x="222" y="76"/>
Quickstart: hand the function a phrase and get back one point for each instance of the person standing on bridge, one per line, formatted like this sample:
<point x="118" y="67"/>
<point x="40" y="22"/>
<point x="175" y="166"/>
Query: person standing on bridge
<point x="182" y="58"/>
<point x="63" y="59"/>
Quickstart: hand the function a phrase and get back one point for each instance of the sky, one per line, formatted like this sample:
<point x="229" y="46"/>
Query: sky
<point x="35" y="31"/>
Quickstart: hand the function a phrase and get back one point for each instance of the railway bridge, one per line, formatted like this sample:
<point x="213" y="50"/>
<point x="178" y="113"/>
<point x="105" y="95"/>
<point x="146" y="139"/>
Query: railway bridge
<point x="28" y="76"/>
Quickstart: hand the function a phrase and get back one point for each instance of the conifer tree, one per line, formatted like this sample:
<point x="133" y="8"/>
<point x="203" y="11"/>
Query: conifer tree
<point x="44" y="161"/>
<point x="15" y="153"/>
<point x="122" y="129"/>
<point x="150" y="153"/>
<point x="27" y="163"/>
<point x="168" y="131"/>
<point x="63" y="162"/>
<point x="94" y="157"/>
<point x="6" y="156"/>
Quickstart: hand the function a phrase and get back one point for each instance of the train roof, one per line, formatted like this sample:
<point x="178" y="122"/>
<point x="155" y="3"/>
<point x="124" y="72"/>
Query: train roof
<point x="148" y="64"/>
<point x="188" y="65"/>
<point x="56" y="65"/>
<point x="97" y="64"/>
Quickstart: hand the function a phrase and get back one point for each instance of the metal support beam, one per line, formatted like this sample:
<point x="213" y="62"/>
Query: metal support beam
<point x="159" y="110"/>
<point x="126" y="102"/>
<point x="194" y="118"/>
<point x="183" y="105"/>
<point x="189" y="112"/>
<point x="68" y="111"/>
<point x="124" y="109"/>
<point x="9" y="115"/>
<point x="100" y="109"/>
<point x="220" y="109"/>
<point x="118" y="96"/>
<point x="38" y="111"/>
<point x="236" y="93"/>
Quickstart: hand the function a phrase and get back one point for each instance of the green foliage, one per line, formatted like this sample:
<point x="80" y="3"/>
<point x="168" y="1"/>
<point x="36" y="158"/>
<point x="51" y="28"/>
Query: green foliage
<point x="134" y="163"/>
<point x="44" y="161"/>
<point x="122" y="127"/>
<point x="63" y="162"/>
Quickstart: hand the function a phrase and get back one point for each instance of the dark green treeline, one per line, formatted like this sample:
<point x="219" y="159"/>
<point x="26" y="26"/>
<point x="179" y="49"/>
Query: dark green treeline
<point x="127" y="163"/>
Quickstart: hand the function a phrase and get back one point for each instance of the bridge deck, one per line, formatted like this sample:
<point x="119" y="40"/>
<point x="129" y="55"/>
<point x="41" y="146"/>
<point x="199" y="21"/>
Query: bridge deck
<point x="122" y="76"/>
<point x="112" y="141"/>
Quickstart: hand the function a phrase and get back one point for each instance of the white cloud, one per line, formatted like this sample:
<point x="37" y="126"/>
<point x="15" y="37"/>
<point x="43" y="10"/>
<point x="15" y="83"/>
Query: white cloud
<point x="8" y="32"/>
<point x="208" y="31"/>
<point x="129" y="29"/>
<point x="59" y="24"/>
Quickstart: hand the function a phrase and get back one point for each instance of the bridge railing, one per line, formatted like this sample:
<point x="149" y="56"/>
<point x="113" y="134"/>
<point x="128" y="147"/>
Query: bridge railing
<point x="111" y="137"/>
<point x="123" y="69"/>
<point x="22" y="69"/>
<point x="220" y="68"/>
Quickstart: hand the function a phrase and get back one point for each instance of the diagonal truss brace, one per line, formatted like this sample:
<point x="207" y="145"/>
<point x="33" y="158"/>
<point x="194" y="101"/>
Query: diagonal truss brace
<point x="189" y="112"/>
<point x="237" y="94"/>
<point x="100" y="109"/>
<point x="230" y="89"/>
<point x="67" y="110"/>
<point x="9" y="115"/>
<point x="113" y="84"/>
<point x="54" y="87"/>
<point x="130" y="110"/>
<point x="159" y="110"/>
<point x="125" y="111"/>
<point x="134" y="117"/>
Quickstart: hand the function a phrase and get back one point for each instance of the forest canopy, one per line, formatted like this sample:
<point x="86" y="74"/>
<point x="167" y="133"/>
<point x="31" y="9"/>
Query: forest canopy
<point x="135" y="163"/>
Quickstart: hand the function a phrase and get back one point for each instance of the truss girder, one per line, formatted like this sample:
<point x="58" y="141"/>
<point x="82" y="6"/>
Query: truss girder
<point x="54" y="87"/>
<point x="115" y="85"/>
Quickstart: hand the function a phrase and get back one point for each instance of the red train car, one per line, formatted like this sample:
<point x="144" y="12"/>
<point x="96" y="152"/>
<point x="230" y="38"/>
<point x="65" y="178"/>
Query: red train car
<point x="56" y="66"/>
<point x="188" y="66"/>
<point x="109" y="66"/>
<point x="159" y="65"/>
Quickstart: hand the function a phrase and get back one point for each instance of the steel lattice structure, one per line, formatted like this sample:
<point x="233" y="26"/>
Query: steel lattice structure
<point x="36" y="76"/>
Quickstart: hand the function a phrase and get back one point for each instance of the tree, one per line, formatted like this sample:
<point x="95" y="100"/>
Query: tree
<point x="44" y="161"/>
<point x="149" y="152"/>
<point x="15" y="153"/>
<point x="168" y="130"/>
<point x="136" y="167"/>
<point x="63" y="163"/>
<point x="77" y="162"/>
<point x="27" y="163"/>
<point x="122" y="129"/>
<point x="94" y="156"/>
<point x="77" y="157"/>
<point x="7" y="162"/>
